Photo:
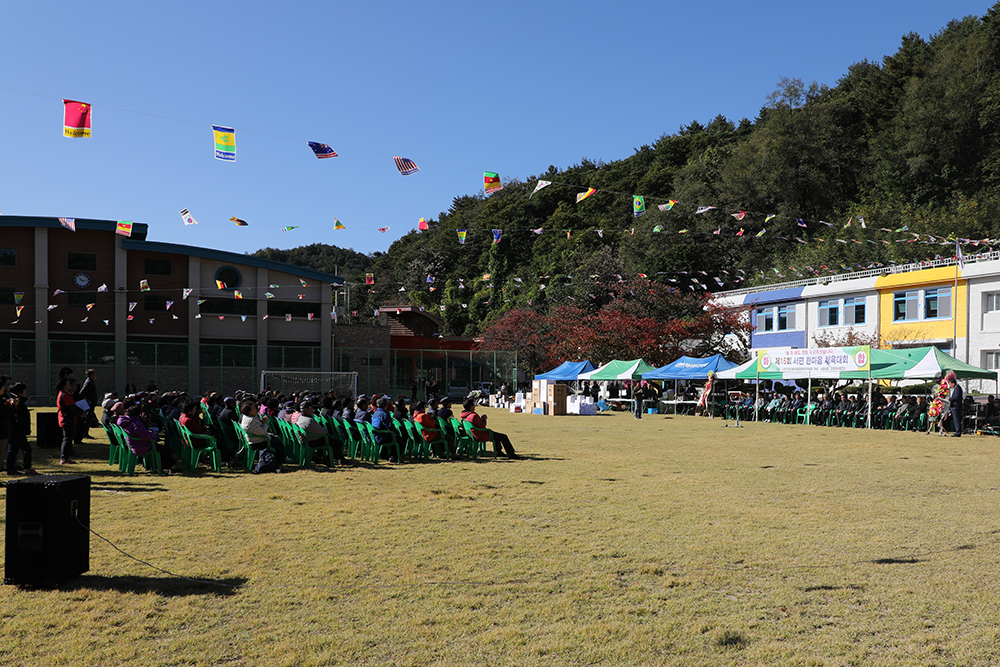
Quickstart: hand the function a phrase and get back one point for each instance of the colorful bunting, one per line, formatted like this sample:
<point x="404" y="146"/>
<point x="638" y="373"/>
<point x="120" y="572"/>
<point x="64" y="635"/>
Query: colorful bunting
<point x="740" y="233"/>
<point x="422" y="225"/>
<point x="220" y="284"/>
<point x="169" y="304"/>
<point x="669" y="205"/>
<point x="268" y="295"/>
<point x="496" y="235"/>
<point x="322" y="150"/>
<point x="703" y="209"/>
<point x="761" y="232"/>
<point x="638" y="206"/>
<point x="583" y="195"/>
<point x="537" y="231"/>
<point x="337" y="224"/>
<point x="124" y="228"/>
<point x="143" y="285"/>
<point x="76" y="119"/>
<point x="405" y="165"/>
<point x="740" y="215"/>
<point x="237" y="294"/>
<point x="383" y="229"/>
<point x="103" y="287"/>
<point x="658" y="228"/>
<point x="19" y="309"/>
<point x="304" y="283"/>
<point x="58" y="292"/>
<point x="369" y="279"/>
<point x="461" y="236"/>
<point x="239" y="222"/>
<point x="186" y="217"/>
<point x="90" y="305"/>
<point x="288" y="229"/>
<point x="225" y="143"/>
<point x="187" y="292"/>
<point x="491" y="182"/>
<point x="539" y="186"/>
<point x="68" y="223"/>
<point x="132" y="305"/>
<point x="18" y="296"/>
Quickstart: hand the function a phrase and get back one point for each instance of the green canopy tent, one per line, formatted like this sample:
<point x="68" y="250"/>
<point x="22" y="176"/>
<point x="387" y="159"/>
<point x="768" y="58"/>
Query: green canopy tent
<point x="619" y="370"/>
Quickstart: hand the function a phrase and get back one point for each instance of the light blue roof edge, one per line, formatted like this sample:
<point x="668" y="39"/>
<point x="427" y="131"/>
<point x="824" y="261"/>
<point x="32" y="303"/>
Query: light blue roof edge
<point x="776" y="295"/>
<point x="233" y="258"/>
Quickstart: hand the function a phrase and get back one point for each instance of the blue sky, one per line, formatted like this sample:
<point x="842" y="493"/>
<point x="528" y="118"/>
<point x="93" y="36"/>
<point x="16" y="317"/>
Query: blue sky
<point x="458" y="87"/>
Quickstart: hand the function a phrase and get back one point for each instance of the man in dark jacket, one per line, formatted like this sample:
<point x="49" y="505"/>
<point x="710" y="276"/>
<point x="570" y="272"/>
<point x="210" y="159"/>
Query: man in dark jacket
<point x="955" y="398"/>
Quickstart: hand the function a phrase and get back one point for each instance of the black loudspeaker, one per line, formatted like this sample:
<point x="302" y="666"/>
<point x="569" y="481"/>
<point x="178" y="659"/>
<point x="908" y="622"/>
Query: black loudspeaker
<point x="47" y="431"/>
<point x="46" y="543"/>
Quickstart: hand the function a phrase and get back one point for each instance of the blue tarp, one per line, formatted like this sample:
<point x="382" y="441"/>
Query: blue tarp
<point x="690" y="368"/>
<point x="569" y="370"/>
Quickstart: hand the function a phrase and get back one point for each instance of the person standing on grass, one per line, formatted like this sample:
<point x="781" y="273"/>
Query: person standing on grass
<point x="68" y="412"/>
<point x="956" y="398"/>
<point x="20" y="429"/>
<point x="479" y="422"/>
<point x="88" y="392"/>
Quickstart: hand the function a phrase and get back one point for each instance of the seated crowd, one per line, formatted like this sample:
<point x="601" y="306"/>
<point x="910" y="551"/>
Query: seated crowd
<point x="213" y="419"/>
<point x="843" y="409"/>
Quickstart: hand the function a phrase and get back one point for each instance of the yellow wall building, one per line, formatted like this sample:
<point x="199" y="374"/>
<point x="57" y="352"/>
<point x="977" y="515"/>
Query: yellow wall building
<point x="924" y="307"/>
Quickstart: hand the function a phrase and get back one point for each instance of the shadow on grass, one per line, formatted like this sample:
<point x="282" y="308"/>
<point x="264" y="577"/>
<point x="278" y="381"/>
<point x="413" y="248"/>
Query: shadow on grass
<point x="162" y="586"/>
<point x="131" y="485"/>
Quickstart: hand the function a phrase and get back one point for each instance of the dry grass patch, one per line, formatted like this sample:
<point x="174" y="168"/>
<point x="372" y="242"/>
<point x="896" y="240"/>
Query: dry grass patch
<point x="661" y="542"/>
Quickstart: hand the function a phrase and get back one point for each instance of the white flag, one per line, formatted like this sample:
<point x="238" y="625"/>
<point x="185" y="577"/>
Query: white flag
<point x="186" y="217"/>
<point x="541" y="184"/>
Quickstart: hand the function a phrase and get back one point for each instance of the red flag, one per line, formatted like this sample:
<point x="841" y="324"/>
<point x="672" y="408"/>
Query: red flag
<point x="76" y="119"/>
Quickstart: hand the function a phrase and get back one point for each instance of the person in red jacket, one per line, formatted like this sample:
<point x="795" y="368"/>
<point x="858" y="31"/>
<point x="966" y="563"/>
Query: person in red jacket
<point x="69" y="411"/>
<point x="479" y="421"/>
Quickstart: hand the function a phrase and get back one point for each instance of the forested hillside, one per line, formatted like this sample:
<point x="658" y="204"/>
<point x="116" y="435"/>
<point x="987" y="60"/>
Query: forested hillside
<point x="893" y="164"/>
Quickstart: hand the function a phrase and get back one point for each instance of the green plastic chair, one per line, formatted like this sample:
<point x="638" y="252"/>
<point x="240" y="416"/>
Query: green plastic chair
<point x="306" y="450"/>
<point x="128" y="458"/>
<point x="424" y="443"/>
<point x="465" y="444"/>
<point x="376" y="448"/>
<point x="480" y="445"/>
<point x="192" y="455"/>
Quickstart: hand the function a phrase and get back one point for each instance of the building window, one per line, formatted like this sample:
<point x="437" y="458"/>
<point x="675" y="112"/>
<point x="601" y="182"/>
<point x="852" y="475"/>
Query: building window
<point x="937" y="303"/>
<point x="155" y="302"/>
<point x="80" y="299"/>
<point x="81" y="261"/>
<point x="828" y="313"/>
<point x="8" y="257"/>
<point x="904" y="306"/>
<point x="786" y="318"/>
<point x="854" y="310"/>
<point x="992" y="302"/>
<point x="767" y="315"/>
<point x="157" y="267"/>
<point x="229" y="276"/>
<point x="991" y="360"/>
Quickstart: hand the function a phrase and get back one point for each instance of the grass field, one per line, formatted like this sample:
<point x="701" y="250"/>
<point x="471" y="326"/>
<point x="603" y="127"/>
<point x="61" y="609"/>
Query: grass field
<point x="665" y="541"/>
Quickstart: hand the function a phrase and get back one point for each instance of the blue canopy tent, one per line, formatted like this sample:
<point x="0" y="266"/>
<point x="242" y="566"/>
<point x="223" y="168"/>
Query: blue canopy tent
<point x="568" y="371"/>
<point x="689" y="368"/>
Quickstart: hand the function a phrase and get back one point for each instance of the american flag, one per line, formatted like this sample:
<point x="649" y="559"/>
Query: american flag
<point x="322" y="150"/>
<point x="405" y="165"/>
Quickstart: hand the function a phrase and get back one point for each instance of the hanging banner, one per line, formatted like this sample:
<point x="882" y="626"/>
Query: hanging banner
<point x="76" y="119"/>
<point x="225" y="143"/>
<point x="815" y="362"/>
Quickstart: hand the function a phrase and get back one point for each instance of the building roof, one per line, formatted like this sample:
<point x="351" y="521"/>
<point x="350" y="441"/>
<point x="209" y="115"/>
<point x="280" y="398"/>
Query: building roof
<point x="234" y="258"/>
<point x="139" y="229"/>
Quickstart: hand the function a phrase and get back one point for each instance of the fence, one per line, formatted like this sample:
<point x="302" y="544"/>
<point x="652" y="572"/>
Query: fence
<point x="226" y="368"/>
